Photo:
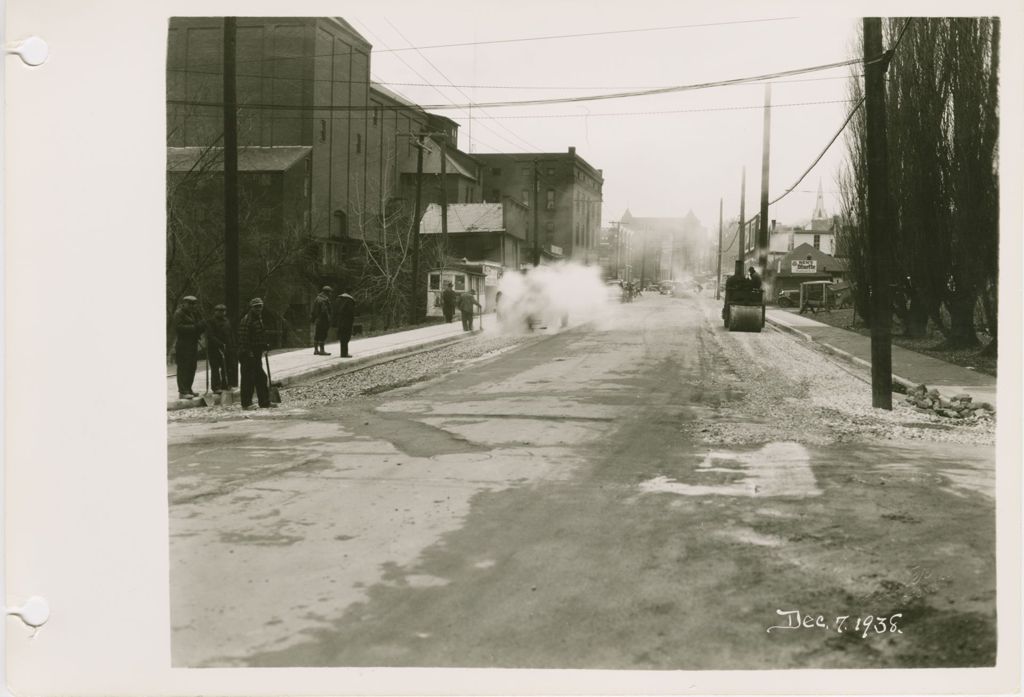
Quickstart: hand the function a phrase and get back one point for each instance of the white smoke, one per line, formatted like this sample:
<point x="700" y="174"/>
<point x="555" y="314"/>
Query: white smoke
<point x="550" y="297"/>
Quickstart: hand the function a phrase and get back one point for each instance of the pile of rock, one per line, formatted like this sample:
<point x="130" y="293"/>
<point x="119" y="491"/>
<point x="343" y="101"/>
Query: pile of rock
<point x="960" y="406"/>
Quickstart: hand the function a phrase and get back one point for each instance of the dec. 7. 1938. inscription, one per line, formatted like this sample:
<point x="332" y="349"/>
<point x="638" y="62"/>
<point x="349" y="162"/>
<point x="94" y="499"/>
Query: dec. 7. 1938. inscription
<point x="861" y="625"/>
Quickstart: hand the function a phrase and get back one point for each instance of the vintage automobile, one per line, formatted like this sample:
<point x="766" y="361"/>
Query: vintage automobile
<point x="788" y="298"/>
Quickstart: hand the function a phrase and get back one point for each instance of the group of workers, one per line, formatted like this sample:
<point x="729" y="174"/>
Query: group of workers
<point x="250" y="346"/>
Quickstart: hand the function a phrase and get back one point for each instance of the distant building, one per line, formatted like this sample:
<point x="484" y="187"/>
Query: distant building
<point x="494" y="232"/>
<point x="806" y="263"/>
<point x="667" y="248"/>
<point x="568" y="198"/>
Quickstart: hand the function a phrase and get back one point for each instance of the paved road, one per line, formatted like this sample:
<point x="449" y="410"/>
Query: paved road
<point x="646" y="492"/>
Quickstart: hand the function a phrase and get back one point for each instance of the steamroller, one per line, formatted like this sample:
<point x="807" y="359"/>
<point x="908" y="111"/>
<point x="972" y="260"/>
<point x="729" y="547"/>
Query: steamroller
<point x="744" y="309"/>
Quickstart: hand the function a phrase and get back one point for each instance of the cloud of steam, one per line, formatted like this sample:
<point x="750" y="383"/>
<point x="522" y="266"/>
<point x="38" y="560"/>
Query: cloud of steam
<point x="551" y="297"/>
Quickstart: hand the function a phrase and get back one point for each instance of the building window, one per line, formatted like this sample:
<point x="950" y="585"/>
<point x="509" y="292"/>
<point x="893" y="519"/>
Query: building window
<point x="342" y="226"/>
<point x="495" y="171"/>
<point x="359" y="142"/>
<point x="495" y="195"/>
<point x="329" y="254"/>
<point x="526" y="197"/>
<point x="323" y="130"/>
<point x="376" y="113"/>
<point x="551" y="199"/>
<point x="460" y="282"/>
<point x="551" y="171"/>
<point x="435" y="281"/>
<point x="817" y="241"/>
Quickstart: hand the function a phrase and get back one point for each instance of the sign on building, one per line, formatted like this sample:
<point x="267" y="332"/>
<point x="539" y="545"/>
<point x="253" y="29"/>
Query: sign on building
<point x="804" y="266"/>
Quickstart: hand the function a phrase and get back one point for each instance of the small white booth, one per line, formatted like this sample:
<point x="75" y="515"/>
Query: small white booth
<point x="480" y="278"/>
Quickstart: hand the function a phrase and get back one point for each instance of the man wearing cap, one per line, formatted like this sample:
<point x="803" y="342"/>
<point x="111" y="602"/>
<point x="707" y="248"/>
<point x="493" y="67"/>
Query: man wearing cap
<point x="219" y="345"/>
<point x="188" y="326"/>
<point x="321" y="318"/>
<point x="448" y="298"/>
<point x="252" y="343"/>
<point x="346" y="317"/>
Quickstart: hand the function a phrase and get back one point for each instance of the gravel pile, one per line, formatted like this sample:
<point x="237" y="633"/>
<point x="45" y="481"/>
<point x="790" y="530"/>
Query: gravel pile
<point x="371" y="380"/>
<point x="793" y="392"/>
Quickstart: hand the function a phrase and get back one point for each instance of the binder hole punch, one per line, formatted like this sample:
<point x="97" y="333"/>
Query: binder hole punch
<point x="33" y="51"/>
<point x="34" y="613"/>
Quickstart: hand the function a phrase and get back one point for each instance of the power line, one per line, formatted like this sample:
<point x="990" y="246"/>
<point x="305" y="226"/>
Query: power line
<point x="522" y="39"/>
<point x="821" y="154"/>
<point x="418" y="74"/>
<point x="594" y="33"/>
<point x="336" y="81"/>
<point x="466" y="96"/>
<point x="668" y="111"/>
<point x="564" y="100"/>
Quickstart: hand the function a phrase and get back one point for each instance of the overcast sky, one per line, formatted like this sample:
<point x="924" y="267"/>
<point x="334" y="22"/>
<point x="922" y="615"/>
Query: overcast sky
<point x="656" y="164"/>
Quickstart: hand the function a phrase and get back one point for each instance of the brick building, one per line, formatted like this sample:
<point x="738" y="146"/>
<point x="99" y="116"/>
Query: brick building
<point x="569" y="198"/>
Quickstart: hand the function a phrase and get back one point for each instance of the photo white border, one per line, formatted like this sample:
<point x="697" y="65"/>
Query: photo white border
<point x="86" y="493"/>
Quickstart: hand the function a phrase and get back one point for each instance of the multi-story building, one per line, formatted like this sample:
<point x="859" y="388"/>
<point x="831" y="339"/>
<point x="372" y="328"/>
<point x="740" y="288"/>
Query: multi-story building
<point x="667" y="248"/>
<point x="564" y="189"/>
<point x="305" y="83"/>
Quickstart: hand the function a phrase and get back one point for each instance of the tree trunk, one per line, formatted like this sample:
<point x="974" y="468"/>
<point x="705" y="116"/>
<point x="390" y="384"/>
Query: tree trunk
<point x="961" y="321"/>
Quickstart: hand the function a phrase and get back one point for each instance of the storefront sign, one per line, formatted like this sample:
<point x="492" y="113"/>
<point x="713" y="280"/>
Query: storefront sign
<point x="804" y="266"/>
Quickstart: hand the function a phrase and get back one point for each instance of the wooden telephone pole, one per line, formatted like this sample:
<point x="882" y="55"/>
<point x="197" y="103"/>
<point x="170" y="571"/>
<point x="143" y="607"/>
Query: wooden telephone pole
<point x="762" y="227"/>
<point x="536" y="213"/>
<point x="741" y="233"/>
<point x="875" y="65"/>
<point x="718" y="266"/>
<point x="414" y="298"/>
<point x="231" y="192"/>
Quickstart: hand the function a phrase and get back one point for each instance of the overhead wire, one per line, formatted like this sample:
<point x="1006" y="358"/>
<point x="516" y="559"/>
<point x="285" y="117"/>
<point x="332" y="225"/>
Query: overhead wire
<point x="465" y="96"/>
<point x="558" y="100"/>
<point x="487" y="42"/>
<point x="418" y="74"/>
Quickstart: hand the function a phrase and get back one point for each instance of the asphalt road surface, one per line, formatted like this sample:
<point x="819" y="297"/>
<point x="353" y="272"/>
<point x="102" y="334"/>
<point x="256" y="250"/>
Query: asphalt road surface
<point x="645" y="491"/>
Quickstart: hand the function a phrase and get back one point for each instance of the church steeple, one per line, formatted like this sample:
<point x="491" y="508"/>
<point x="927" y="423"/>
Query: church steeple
<point x="819" y="207"/>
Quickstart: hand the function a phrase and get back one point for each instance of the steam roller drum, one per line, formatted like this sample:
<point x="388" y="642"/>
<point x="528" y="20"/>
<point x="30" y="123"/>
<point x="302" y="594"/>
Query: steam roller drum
<point x="745" y="318"/>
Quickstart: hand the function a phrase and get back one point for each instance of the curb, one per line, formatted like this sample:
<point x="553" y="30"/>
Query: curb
<point x="832" y="350"/>
<point x="347" y="367"/>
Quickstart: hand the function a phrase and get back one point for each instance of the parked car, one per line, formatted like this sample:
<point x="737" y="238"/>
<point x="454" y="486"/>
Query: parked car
<point x="788" y="298"/>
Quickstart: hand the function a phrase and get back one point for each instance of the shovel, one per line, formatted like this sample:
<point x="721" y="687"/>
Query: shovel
<point x="275" y="393"/>
<point x="209" y="398"/>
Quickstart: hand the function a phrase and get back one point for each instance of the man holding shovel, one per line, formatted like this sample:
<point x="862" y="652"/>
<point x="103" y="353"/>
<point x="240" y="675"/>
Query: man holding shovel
<point x="218" y="345"/>
<point x="321" y="317"/>
<point x="188" y="326"/>
<point x="252" y="343"/>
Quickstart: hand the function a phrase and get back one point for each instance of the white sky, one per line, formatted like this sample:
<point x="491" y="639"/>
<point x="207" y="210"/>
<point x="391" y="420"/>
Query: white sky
<point x="658" y="165"/>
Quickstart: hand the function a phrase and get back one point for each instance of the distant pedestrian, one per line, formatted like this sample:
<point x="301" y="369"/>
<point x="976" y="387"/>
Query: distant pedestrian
<point x="346" y="318"/>
<point x="219" y="344"/>
<point x="252" y="343"/>
<point x="188" y="326"/>
<point x="466" y="302"/>
<point x="755" y="278"/>
<point x="448" y="298"/>
<point x="321" y="318"/>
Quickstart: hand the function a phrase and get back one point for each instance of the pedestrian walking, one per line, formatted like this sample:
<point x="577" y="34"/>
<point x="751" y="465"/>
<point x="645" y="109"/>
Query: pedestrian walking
<point x="219" y="344"/>
<point x="252" y="343"/>
<point x="466" y="302"/>
<point x="321" y="319"/>
<point x="188" y="327"/>
<point x="346" y="317"/>
<point x="448" y="298"/>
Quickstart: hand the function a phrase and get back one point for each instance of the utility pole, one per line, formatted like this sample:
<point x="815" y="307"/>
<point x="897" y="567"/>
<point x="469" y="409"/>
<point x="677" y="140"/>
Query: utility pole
<point x="762" y="227"/>
<point x="875" y="65"/>
<point x="231" y="192"/>
<point x="444" y="200"/>
<point x="718" y="266"/>
<point x="414" y="299"/>
<point x="643" y="259"/>
<point x="536" y="214"/>
<point x="741" y="233"/>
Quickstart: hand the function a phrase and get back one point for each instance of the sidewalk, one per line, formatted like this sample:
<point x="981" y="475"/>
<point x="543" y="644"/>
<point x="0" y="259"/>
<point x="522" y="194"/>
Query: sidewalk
<point x="908" y="367"/>
<point x="294" y="364"/>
